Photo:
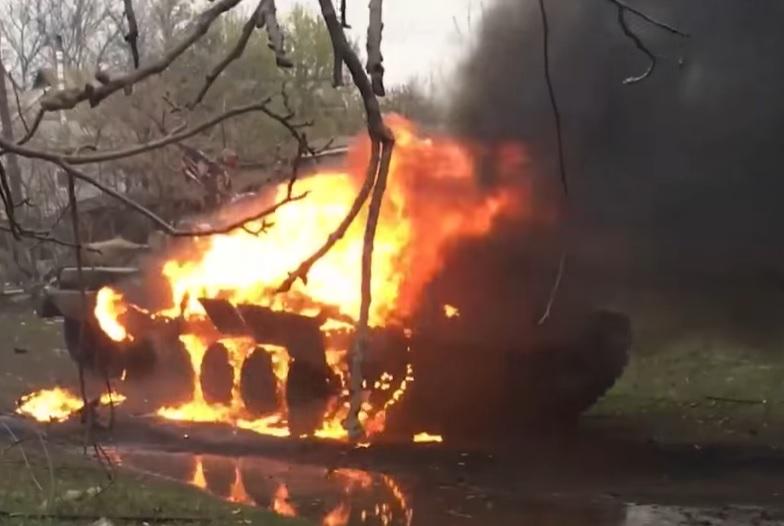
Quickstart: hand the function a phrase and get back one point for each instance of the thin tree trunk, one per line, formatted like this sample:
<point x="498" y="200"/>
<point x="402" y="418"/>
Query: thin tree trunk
<point x="12" y="165"/>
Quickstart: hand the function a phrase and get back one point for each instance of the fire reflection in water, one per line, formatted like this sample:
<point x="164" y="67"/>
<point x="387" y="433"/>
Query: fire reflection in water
<point x="344" y="496"/>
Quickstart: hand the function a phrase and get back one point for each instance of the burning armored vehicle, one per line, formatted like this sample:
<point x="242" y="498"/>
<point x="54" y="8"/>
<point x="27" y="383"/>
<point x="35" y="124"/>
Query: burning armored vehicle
<point x="205" y="322"/>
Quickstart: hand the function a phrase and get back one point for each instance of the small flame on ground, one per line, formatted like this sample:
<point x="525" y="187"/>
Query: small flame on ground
<point x="280" y="502"/>
<point x="427" y="438"/>
<point x="338" y="516"/>
<point x="58" y="404"/>
<point x="450" y="311"/>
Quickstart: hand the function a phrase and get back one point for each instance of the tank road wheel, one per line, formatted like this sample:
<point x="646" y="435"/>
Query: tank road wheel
<point x="217" y="375"/>
<point x="307" y="393"/>
<point x="258" y="384"/>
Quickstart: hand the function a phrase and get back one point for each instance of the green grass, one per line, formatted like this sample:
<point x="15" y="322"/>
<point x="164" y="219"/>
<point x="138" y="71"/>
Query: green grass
<point x="130" y="499"/>
<point x="701" y="389"/>
<point x="43" y="361"/>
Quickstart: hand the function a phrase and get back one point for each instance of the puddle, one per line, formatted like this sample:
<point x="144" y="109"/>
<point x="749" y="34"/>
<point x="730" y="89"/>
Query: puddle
<point x="348" y="496"/>
<point x="332" y="498"/>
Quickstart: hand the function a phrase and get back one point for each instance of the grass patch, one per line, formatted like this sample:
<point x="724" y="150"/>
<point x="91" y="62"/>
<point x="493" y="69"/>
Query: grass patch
<point x="702" y="390"/>
<point x="32" y="354"/>
<point x="81" y="494"/>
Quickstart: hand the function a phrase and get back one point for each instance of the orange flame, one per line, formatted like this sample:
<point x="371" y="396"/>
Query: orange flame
<point x="338" y="516"/>
<point x="450" y="311"/>
<point x="433" y="200"/>
<point x="426" y="438"/>
<point x="109" y="307"/>
<point x="280" y="502"/>
<point x="58" y="404"/>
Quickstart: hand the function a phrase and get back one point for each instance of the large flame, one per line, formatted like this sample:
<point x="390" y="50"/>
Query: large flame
<point x="433" y="199"/>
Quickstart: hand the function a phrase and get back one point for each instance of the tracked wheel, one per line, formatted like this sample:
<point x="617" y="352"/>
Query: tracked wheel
<point x="217" y="375"/>
<point x="307" y="393"/>
<point x="258" y="384"/>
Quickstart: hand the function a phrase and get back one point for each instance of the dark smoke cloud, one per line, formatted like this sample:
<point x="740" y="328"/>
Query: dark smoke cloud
<point x="676" y="182"/>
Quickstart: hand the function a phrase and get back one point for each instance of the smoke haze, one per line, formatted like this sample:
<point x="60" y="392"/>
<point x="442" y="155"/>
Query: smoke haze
<point x="675" y="182"/>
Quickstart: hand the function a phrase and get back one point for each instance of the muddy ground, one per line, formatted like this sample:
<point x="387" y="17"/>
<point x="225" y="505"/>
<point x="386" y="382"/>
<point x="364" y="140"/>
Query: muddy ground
<point x="692" y="434"/>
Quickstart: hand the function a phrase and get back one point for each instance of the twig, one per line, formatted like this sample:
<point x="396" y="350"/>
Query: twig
<point x="132" y="36"/>
<point x="343" y="18"/>
<point x="637" y="42"/>
<point x="68" y="98"/>
<point x="19" y="109"/>
<point x="623" y="5"/>
<point x="235" y="53"/>
<point x="110" y="393"/>
<point x="375" y="122"/>
<point x="45" y="237"/>
<point x="551" y="94"/>
<point x="7" y="198"/>
<point x="269" y="17"/>
<point x="168" y="228"/>
<point x="135" y="150"/>
<point x="375" y="61"/>
<point x="624" y="8"/>
<point x="49" y="466"/>
<point x="39" y="117"/>
<point x="24" y="456"/>
<point x="302" y="271"/>
<point x="553" y="290"/>
<point x="560" y="145"/>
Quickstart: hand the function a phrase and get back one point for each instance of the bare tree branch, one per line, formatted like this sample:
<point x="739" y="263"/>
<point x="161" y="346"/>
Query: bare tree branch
<point x="163" y="224"/>
<point x="70" y="97"/>
<point x="39" y="117"/>
<point x="553" y="100"/>
<point x="43" y="236"/>
<point x="376" y="127"/>
<point x="269" y="17"/>
<point x="375" y="66"/>
<point x="343" y="18"/>
<point x="176" y="137"/>
<point x="637" y="42"/>
<point x="378" y="167"/>
<point x="553" y="291"/>
<point x="623" y="5"/>
<point x="7" y="197"/>
<point x="247" y="30"/>
<point x="370" y="177"/>
<point x="132" y="36"/>
<point x="623" y="9"/>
